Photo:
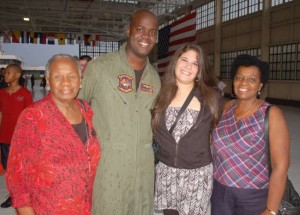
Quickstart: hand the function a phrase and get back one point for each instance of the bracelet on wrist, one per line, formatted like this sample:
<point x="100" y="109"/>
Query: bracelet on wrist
<point x="271" y="212"/>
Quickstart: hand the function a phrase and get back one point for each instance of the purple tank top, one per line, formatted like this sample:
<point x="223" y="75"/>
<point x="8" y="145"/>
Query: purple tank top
<point x="238" y="147"/>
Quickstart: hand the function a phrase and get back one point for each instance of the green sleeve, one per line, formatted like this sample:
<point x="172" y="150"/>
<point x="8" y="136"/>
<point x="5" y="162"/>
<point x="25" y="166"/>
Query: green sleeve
<point x="88" y="83"/>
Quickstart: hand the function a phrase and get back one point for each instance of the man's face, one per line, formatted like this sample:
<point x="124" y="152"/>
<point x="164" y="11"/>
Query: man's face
<point x="82" y="64"/>
<point x="142" y="34"/>
<point x="11" y="74"/>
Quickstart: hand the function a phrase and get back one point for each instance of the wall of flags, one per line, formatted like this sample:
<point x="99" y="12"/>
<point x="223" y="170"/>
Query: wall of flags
<point x="50" y="38"/>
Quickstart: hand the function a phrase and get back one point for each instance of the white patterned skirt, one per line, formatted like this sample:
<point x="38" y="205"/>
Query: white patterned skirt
<point x="186" y="190"/>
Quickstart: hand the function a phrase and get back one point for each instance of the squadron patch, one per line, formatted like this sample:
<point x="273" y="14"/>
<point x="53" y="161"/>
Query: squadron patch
<point x="125" y="83"/>
<point x="146" y="88"/>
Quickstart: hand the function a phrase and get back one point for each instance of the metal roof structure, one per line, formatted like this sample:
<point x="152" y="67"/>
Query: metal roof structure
<point x="108" y="18"/>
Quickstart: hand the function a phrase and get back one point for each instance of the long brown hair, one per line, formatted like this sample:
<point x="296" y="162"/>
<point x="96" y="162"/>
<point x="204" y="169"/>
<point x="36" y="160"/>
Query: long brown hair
<point x="205" y="81"/>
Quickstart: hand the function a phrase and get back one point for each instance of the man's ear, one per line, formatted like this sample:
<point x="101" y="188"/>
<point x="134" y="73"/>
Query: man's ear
<point x="18" y="74"/>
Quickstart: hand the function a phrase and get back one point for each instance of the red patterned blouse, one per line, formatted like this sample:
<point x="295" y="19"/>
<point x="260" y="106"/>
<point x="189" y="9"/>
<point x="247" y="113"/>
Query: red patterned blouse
<point x="49" y="168"/>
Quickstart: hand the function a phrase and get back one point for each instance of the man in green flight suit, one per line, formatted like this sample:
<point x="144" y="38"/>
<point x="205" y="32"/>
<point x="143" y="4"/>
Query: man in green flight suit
<point x="122" y="87"/>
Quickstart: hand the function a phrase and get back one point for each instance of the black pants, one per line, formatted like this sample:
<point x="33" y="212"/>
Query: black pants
<point x="235" y="201"/>
<point x="4" y="154"/>
<point x="170" y="212"/>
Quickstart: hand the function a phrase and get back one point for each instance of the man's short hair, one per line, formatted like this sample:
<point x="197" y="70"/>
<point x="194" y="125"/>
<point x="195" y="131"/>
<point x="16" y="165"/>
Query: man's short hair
<point x="85" y="57"/>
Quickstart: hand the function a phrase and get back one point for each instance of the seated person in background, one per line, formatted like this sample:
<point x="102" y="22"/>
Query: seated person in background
<point x="55" y="151"/>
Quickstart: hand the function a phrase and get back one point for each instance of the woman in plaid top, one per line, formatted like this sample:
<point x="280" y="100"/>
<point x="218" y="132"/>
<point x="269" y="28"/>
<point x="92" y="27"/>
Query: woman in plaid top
<point x="242" y="184"/>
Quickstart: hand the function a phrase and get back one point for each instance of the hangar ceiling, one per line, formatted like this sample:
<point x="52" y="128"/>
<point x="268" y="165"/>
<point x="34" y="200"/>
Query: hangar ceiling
<point x="107" y="18"/>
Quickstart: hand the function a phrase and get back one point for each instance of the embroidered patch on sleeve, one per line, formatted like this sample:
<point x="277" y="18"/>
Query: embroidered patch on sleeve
<point x="125" y="83"/>
<point x="146" y="88"/>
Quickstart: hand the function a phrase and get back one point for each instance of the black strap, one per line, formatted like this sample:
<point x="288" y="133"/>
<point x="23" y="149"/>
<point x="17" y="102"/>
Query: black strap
<point x="182" y="109"/>
<point x="267" y="139"/>
<point x="82" y="104"/>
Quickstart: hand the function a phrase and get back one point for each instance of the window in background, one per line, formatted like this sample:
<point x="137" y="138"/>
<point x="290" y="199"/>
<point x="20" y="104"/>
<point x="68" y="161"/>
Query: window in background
<point x="211" y="59"/>
<point x="228" y="57"/>
<point x="205" y="15"/>
<point x="298" y="64"/>
<point x="285" y="62"/>
<point x="101" y="48"/>
<point x="236" y="8"/>
<point x="278" y="2"/>
<point x="275" y="62"/>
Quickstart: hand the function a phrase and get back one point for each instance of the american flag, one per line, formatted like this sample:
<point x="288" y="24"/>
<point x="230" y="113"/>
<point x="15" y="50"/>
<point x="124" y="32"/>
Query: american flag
<point x="171" y="37"/>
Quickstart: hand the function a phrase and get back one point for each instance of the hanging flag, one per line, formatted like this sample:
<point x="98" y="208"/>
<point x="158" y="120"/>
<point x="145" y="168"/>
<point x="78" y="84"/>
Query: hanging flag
<point x="181" y="31"/>
<point x="28" y="37"/>
<point x="35" y="37"/>
<point x="87" y="39"/>
<point x="24" y="37"/>
<point x="7" y="36"/>
<point x="79" y="38"/>
<point x="70" y="39"/>
<point x="31" y="37"/>
<point x="96" y="39"/>
<point x="61" y="37"/>
<point x="16" y="36"/>
<point x="43" y="38"/>
<point x="51" y="38"/>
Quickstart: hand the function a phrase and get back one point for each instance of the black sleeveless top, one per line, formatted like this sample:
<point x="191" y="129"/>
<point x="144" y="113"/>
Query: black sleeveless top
<point x="82" y="130"/>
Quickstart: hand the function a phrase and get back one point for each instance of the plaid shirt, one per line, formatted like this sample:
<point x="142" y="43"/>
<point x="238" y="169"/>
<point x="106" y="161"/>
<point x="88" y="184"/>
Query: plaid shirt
<point x="239" y="150"/>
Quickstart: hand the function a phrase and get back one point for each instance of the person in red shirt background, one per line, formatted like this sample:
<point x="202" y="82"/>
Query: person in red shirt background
<point x="13" y="100"/>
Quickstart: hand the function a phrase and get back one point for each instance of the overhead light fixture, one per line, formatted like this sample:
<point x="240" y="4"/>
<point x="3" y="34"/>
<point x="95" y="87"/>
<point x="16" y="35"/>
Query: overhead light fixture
<point x="26" y="19"/>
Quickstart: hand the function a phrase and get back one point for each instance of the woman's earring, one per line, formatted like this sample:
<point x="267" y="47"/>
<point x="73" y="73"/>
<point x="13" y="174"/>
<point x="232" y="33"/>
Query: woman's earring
<point x="258" y="93"/>
<point x="48" y="87"/>
<point x="80" y="86"/>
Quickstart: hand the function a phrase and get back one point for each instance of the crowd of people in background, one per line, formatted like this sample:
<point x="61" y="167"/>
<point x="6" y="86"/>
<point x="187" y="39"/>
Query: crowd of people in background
<point x="205" y="149"/>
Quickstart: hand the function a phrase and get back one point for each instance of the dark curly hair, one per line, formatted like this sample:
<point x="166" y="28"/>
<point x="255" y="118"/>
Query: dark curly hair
<point x="248" y="60"/>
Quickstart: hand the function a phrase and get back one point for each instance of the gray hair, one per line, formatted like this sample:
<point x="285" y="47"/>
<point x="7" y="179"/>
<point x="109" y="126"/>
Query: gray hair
<point x="57" y="56"/>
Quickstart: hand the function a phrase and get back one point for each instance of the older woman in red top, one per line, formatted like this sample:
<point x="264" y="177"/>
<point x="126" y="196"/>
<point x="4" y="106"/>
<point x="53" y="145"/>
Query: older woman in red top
<point x="54" y="150"/>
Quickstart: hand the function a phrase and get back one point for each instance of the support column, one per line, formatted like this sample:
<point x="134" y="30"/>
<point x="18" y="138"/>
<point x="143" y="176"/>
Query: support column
<point x="218" y="30"/>
<point x="265" y="38"/>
